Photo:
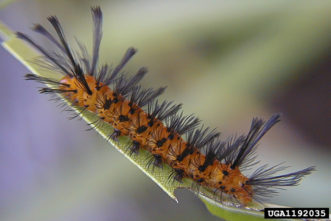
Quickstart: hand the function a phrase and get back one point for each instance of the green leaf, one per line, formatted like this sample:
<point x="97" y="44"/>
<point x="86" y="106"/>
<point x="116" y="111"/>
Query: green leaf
<point x="160" y="176"/>
<point x="231" y="213"/>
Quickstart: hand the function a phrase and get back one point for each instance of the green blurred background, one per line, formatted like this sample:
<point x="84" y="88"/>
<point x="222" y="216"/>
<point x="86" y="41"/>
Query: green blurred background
<point x="227" y="62"/>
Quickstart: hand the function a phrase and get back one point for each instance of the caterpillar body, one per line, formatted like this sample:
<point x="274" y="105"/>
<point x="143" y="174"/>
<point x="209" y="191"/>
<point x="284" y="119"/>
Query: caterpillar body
<point x="192" y="150"/>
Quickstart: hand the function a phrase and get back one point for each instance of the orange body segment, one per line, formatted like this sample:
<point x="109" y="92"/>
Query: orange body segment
<point x="132" y="121"/>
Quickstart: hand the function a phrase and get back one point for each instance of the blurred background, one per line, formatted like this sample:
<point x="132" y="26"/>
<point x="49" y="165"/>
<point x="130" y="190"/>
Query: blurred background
<point x="227" y="62"/>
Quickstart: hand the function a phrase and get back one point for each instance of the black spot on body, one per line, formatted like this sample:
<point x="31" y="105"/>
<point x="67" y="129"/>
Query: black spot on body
<point x="171" y="136"/>
<point x="107" y="104"/>
<point x="132" y="110"/>
<point x="188" y="150"/>
<point x="201" y="168"/>
<point x="123" y="118"/>
<point x="233" y="190"/>
<point x="150" y="123"/>
<point x="159" y="143"/>
<point x="225" y="172"/>
<point x="141" y="129"/>
<point x="222" y="187"/>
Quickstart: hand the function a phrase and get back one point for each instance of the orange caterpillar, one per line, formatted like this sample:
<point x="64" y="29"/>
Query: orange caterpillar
<point x="202" y="156"/>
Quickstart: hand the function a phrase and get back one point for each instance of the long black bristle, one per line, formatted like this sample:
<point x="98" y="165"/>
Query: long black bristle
<point x="229" y="149"/>
<point x="44" y="80"/>
<point x="97" y="35"/>
<point x="43" y="51"/>
<point x="210" y="151"/>
<point x="101" y="75"/>
<point x="265" y="184"/>
<point x="84" y="57"/>
<point x="127" y="56"/>
<point x="200" y="137"/>
<point x="182" y="124"/>
<point x="41" y="30"/>
<point x="163" y="110"/>
<point x="58" y="28"/>
<point x="144" y="96"/>
<point x="123" y="85"/>
<point x="76" y="69"/>
<point x="256" y="132"/>
<point x="54" y="90"/>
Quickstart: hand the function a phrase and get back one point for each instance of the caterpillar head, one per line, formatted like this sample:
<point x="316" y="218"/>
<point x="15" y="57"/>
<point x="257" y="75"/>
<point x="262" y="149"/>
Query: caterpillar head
<point x="234" y="183"/>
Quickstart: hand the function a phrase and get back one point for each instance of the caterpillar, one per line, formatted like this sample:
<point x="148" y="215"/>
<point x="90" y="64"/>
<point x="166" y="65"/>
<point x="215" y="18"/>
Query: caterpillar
<point x="191" y="149"/>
